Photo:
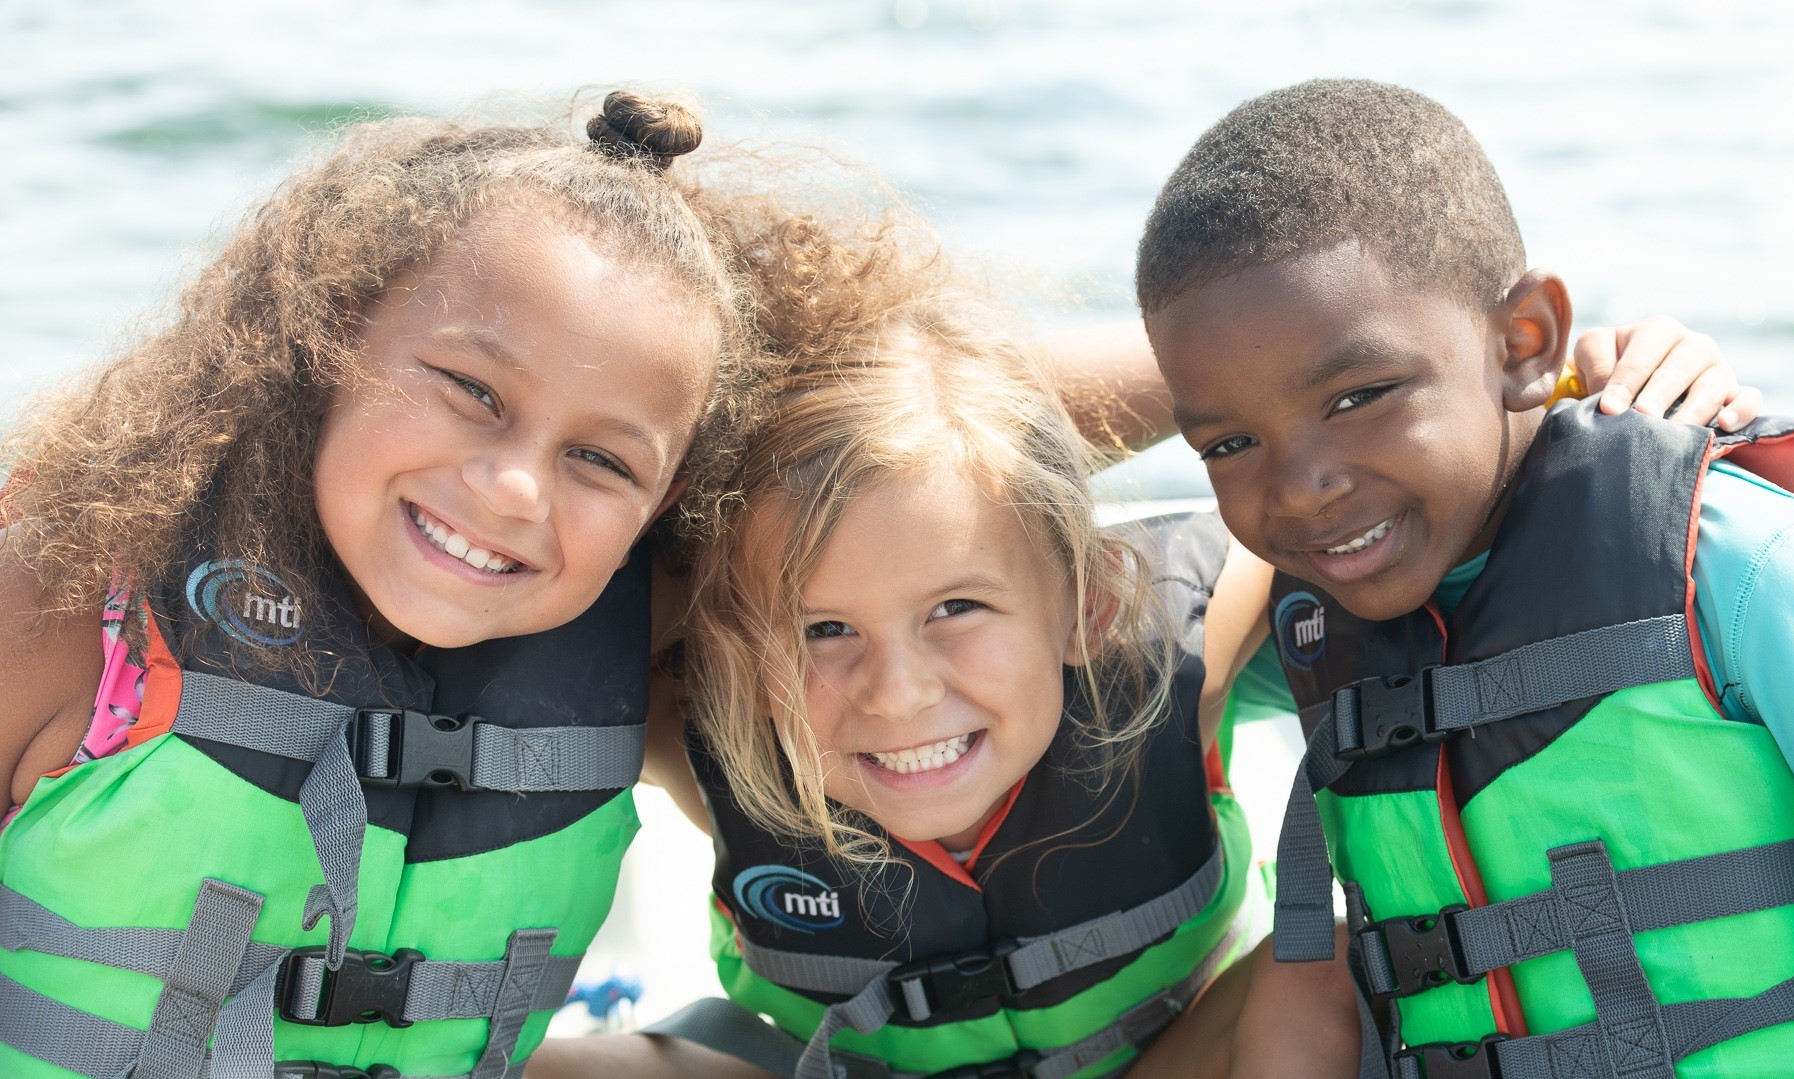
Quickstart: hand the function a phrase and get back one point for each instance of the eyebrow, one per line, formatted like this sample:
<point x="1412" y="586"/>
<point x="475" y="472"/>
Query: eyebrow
<point x="1350" y="358"/>
<point x="479" y="340"/>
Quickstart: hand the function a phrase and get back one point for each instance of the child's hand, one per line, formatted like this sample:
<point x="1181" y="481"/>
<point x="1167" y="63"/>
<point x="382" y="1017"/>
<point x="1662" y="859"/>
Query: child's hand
<point x="1650" y="364"/>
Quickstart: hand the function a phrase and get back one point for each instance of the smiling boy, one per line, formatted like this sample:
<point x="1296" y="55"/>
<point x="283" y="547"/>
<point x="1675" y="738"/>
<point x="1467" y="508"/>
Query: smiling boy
<point x="1543" y="658"/>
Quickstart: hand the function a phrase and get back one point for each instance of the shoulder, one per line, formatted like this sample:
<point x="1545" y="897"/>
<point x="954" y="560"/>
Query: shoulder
<point x="1743" y="571"/>
<point x="49" y="672"/>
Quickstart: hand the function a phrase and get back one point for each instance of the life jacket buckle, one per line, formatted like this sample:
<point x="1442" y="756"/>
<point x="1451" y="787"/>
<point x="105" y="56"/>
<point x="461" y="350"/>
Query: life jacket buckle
<point x="317" y="1069"/>
<point x="1019" y="1066"/>
<point x="370" y="987"/>
<point x="406" y="748"/>
<point x="1422" y="952"/>
<point x="1456" y="1060"/>
<point x="958" y="983"/>
<point x="1382" y="715"/>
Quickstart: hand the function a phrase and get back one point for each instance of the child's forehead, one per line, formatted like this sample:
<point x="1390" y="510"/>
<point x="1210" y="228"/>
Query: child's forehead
<point x="1299" y="321"/>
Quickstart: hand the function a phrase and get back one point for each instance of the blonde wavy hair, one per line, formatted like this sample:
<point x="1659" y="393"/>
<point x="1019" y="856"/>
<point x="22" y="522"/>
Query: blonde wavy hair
<point x="213" y="422"/>
<point x="891" y="369"/>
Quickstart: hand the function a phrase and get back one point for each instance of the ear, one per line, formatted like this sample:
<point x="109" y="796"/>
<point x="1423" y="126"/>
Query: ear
<point x="1533" y="324"/>
<point x="1100" y="608"/>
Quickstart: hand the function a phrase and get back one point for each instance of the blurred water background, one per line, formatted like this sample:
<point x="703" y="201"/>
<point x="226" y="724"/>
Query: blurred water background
<point x="1648" y="148"/>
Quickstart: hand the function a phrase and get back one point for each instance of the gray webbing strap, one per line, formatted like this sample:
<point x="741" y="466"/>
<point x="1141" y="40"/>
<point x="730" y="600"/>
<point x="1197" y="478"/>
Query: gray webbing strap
<point x="1545" y="674"/>
<point x="557" y="758"/>
<point x="302" y="728"/>
<point x="1530" y="678"/>
<point x="526" y="959"/>
<point x="244" y="1046"/>
<point x="729" y="1028"/>
<point x="1303" y="922"/>
<point x="198" y="981"/>
<point x="26" y="925"/>
<point x="866" y="1011"/>
<point x="1039" y="959"/>
<point x="1584" y="1052"/>
<point x="256" y="717"/>
<point x="1034" y="961"/>
<point x="1588" y="895"/>
<point x="57" y="1034"/>
<point x="1654" y="896"/>
<point x="1376" y="1047"/>
<point x="440" y="989"/>
<point x="336" y="813"/>
<point x="511" y="759"/>
<point x="1139" y="1025"/>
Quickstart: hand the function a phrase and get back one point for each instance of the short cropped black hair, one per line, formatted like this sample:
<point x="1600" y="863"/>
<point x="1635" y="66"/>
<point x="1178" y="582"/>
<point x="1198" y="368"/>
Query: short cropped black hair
<point x="1327" y="161"/>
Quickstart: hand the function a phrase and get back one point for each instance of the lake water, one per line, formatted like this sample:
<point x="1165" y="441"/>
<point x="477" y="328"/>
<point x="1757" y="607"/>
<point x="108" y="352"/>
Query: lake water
<point x="1648" y="147"/>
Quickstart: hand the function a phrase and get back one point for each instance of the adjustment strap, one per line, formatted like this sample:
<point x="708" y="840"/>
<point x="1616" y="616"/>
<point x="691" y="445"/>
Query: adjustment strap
<point x="1586" y="1051"/>
<point x="26" y="925"/>
<point x="1032" y="962"/>
<point x="1654" y="897"/>
<point x="68" y="1038"/>
<point x="508" y="759"/>
<point x="1302" y="930"/>
<point x="205" y="964"/>
<point x="526" y="960"/>
<point x="1545" y="674"/>
<point x="1376" y="715"/>
<point x="437" y="989"/>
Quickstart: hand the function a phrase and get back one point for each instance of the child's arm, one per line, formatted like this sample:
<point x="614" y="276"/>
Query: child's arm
<point x="633" y="1055"/>
<point x="1235" y="625"/>
<point x="49" y="673"/>
<point x="1112" y="386"/>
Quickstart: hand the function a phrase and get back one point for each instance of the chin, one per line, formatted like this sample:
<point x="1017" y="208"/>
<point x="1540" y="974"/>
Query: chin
<point x="1381" y="604"/>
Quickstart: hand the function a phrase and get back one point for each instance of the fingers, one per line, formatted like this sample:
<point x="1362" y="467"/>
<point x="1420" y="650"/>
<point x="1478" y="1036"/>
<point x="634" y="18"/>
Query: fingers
<point x="1687" y="363"/>
<point x="1596" y="353"/>
<point x="1658" y="359"/>
<point x="1744" y="406"/>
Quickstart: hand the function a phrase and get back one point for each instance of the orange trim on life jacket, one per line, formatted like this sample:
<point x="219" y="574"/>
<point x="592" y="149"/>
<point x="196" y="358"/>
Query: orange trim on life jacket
<point x="1217" y="770"/>
<point x="1504" y="998"/>
<point x="161" y="695"/>
<point x="1703" y="670"/>
<point x="931" y="851"/>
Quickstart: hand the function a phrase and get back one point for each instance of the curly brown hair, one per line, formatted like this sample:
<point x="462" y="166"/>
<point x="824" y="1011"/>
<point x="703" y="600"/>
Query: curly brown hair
<point x="213" y="422"/>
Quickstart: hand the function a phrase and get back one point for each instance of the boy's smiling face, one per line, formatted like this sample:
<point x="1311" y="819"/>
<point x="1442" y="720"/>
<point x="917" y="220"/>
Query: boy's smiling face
<point x="1359" y="432"/>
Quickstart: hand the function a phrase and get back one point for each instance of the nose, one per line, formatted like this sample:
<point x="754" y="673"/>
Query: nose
<point x="897" y="681"/>
<point x="511" y="484"/>
<point x="1306" y="484"/>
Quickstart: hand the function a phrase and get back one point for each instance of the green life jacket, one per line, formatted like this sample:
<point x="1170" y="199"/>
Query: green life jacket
<point x="395" y="877"/>
<point x="1022" y="965"/>
<point x="1561" y="860"/>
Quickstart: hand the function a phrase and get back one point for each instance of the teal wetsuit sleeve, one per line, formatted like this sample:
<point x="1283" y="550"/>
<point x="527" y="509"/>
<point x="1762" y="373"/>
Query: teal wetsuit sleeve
<point x="1260" y="690"/>
<point x="1744" y="597"/>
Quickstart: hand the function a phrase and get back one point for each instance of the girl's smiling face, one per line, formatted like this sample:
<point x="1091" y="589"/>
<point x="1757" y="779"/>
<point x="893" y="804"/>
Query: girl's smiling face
<point x="937" y="635"/>
<point x="523" y="403"/>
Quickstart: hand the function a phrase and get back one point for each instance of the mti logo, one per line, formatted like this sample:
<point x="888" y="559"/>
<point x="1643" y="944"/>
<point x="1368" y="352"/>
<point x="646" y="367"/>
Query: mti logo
<point x="247" y="602"/>
<point x="1301" y="625"/>
<point x="789" y="898"/>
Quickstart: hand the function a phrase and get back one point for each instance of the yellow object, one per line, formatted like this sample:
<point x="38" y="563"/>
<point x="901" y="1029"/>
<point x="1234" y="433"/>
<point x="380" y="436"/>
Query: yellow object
<point x="1569" y="387"/>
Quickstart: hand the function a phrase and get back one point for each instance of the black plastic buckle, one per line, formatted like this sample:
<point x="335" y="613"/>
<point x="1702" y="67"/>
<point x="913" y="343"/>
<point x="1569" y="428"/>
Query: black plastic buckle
<point x="1393" y="713"/>
<point x="959" y="983"/>
<point x="1456" y="1060"/>
<point x="1019" y="1066"/>
<point x="1423" y="951"/>
<point x="369" y="987"/>
<point x="317" y="1069"/>
<point x="422" y="750"/>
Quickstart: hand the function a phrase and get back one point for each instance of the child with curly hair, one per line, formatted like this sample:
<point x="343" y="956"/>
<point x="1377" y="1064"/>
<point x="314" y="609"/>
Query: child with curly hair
<point x="344" y="789"/>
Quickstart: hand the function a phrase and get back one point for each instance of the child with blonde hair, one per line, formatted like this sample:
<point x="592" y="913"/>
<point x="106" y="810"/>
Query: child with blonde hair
<point x="344" y="787"/>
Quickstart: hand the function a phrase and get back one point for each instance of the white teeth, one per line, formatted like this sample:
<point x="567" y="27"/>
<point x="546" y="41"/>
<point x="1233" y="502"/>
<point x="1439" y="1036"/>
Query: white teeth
<point x="1365" y="540"/>
<point x="456" y="545"/>
<point x="924" y="758"/>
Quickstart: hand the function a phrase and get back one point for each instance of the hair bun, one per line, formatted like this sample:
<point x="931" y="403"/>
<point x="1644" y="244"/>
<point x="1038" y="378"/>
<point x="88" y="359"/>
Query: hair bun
<point x="642" y="128"/>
